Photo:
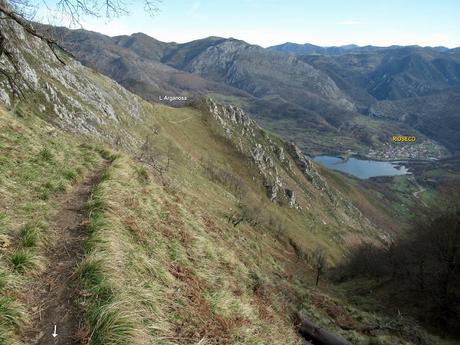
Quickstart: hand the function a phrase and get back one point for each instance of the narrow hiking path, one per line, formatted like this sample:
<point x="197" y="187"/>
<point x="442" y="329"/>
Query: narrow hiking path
<point x="416" y="194"/>
<point x="53" y="294"/>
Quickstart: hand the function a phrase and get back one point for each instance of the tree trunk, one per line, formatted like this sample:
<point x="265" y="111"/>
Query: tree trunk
<point x="319" y="336"/>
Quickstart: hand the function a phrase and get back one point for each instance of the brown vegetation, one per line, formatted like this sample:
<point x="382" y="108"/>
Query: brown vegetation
<point x="421" y="272"/>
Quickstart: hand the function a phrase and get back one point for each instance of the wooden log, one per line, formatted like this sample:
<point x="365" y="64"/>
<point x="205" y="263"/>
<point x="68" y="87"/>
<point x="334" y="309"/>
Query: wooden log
<point x="317" y="335"/>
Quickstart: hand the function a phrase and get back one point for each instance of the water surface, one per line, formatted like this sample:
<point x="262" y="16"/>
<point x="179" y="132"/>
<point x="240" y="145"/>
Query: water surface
<point x="362" y="168"/>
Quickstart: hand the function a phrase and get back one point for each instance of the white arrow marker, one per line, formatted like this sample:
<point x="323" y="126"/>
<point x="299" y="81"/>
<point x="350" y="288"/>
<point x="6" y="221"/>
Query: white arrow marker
<point x="54" y="333"/>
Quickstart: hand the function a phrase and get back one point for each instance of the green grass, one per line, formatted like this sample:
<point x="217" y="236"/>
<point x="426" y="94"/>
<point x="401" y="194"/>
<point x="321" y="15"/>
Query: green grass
<point x="161" y="262"/>
<point x="95" y="282"/>
<point x="30" y="235"/>
<point x="142" y="174"/>
<point x="70" y="175"/>
<point x="128" y="257"/>
<point x="429" y="196"/>
<point x="35" y="167"/>
<point x="45" y="155"/>
<point x="24" y="260"/>
<point x="109" y="323"/>
<point x="10" y="314"/>
<point x="111" y="326"/>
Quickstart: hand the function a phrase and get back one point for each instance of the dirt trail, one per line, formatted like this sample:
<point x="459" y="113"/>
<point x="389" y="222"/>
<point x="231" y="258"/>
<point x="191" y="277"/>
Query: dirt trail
<point x="52" y="298"/>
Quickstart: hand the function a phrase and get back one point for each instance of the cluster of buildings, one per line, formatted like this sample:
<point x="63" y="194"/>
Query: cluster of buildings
<point x="426" y="150"/>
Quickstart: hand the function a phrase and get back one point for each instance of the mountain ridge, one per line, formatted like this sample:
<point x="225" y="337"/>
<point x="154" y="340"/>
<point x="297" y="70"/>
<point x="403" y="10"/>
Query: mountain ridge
<point x="308" y="48"/>
<point x="327" y="96"/>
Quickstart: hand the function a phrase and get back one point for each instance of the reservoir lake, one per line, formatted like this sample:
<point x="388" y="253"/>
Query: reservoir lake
<point x="362" y="168"/>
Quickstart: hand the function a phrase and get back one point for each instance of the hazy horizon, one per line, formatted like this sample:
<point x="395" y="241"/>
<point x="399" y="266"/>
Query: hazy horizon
<point x="272" y="22"/>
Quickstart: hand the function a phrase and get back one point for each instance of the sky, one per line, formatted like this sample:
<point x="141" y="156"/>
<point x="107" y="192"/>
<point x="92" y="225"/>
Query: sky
<point x="271" y="22"/>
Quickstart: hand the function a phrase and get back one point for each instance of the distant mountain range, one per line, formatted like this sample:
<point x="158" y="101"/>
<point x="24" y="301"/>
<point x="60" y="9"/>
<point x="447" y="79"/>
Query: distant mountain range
<point x="325" y="99"/>
<point x="308" y="49"/>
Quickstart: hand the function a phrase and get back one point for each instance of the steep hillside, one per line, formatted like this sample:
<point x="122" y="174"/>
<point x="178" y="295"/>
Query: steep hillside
<point x="435" y="115"/>
<point x="198" y="228"/>
<point x="413" y="86"/>
<point x="256" y="70"/>
<point x="225" y="61"/>
<point x="286" y="95"/>
<point x="410" y="85"/>
<point x="409" y="72"/>
<point x="326" y="96"/>
<point x="135" y="62"/>
<point x="394" y="73"/>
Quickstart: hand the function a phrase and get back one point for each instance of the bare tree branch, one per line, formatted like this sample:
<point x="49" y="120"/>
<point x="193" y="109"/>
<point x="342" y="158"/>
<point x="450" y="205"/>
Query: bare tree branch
<point x="30" y="29"/>
<point x="23" y="11"/>
<point x="74" y="10"/>
<point x="11" y="77"/>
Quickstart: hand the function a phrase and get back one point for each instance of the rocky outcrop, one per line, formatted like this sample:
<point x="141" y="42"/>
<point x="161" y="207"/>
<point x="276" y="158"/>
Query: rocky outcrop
<point x="344" y="208"/>
<point x="67" y="94"/>
<point x="270" y="158"/>
<point x="308" y="168"/>
<point x="251" y="140"/>
<point x="290" y="194"/>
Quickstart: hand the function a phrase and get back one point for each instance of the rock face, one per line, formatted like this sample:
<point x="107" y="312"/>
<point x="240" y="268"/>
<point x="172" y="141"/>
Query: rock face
<point x="342" y="206"/>
<point x="251" y="140"/>
<point x="307" y="166"/>
<point x="65" y="94"/>
<point x="260" y="72"/>
<point x="271" y="158"/>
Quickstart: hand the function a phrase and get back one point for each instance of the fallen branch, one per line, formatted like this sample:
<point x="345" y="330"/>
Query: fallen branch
<point x="317" y="335"/>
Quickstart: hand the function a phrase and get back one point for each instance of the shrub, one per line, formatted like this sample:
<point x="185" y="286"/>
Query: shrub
<point x="420" y="267"/>
<point x="247" y="212"/>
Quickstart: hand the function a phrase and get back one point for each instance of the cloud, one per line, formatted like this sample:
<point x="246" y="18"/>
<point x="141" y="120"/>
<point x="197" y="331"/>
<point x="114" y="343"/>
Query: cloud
<point x="351" y="22"/>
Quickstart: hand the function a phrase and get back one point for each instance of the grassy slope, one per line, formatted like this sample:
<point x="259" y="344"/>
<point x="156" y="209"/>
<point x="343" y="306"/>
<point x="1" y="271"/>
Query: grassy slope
<point x="369" y="200"/>
<point x="162" y="263"/>
<point x="194" y="277"/>
<point x="230" y="285"/>
<point x="196" y="136"/>
<point x="36" y="162"/>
